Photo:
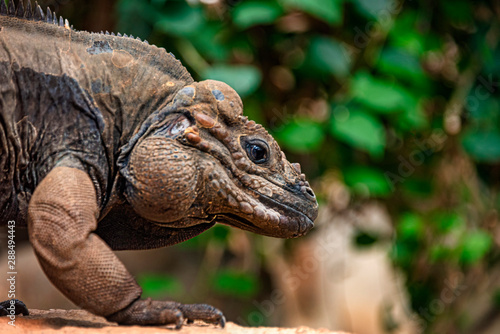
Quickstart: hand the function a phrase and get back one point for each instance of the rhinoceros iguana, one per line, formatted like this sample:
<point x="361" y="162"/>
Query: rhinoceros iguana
<point x="107" y="143"/>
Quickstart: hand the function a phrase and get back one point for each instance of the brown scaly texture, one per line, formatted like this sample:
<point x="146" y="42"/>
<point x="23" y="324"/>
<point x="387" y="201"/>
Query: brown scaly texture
<point x="108" y="143"/>
<point x="63" y="212"/>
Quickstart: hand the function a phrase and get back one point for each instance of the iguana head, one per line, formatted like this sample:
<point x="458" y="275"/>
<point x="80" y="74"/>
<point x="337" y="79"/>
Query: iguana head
<point x="199" y="159"/>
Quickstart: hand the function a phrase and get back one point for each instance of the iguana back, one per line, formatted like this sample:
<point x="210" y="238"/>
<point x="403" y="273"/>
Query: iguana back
<point x="113" y="81"/>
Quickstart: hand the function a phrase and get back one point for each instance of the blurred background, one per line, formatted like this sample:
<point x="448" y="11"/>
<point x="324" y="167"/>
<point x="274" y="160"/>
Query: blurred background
<point x="393" y="110"/>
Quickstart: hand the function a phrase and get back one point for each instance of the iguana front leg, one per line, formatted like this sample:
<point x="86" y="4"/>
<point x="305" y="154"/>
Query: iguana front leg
<point x="62" y="217"/>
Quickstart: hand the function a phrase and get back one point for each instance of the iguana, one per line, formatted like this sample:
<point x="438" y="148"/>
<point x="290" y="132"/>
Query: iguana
<point x="107" y="143"/>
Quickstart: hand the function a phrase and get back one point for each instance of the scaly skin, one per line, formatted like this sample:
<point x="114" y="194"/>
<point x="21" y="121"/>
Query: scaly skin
<point x="107" y="143"/>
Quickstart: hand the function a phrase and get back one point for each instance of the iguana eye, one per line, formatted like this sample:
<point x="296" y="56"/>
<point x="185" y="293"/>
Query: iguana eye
<point x="257" y="151"/>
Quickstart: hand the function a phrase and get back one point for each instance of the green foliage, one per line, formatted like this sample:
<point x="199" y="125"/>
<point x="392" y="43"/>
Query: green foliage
<point x="301" y="135"/>
<point x="411" y="227"/>
<point x="404" y="34"/>
<point x="361" y="130"/>
<point x="182" y="20"/>
<point x="475" y="246"/>
<point x="160" y="285"/>
<point x="329" y="11"/>
<point x="218" y="234"/>
<point x="235" y="284"/>
<point x="326" y="55"/>
<point x="243" y="78"/>
<point x="483" y="146"/>
<point x="251" y="13"/>
<point x="457" y="11"/>
<point x="380" y="95"/>
<point x="401" y="63"/>
<point x="449" y="222"/>
<point x="367" y="181"/>
<point x="372" y="9"/>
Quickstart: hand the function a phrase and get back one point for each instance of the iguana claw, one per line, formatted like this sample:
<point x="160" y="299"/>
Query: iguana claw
<point x="204" y="312"/>
<point x="222" y="322"/>
<point x="19" y="306"/>
<point x="152" y="312"/>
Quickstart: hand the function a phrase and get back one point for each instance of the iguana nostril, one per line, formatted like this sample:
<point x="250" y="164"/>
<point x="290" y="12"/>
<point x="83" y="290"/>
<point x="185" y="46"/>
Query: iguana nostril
<point x="308" y="192"/>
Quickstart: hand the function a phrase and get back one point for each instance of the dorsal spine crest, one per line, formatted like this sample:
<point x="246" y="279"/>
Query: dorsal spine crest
<point x="36" y="13"/>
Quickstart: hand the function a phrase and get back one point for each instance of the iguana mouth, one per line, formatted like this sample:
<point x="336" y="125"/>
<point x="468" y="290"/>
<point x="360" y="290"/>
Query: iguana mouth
<point x="292" y="223"/>
<point x="303" y="220"/>
<point x="303" y="225"/>
<point x="249" y="209"/>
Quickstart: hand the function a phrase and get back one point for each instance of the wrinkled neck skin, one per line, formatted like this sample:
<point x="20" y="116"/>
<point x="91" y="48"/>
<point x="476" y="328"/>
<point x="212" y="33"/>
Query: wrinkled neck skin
<point x="200" y="160"/>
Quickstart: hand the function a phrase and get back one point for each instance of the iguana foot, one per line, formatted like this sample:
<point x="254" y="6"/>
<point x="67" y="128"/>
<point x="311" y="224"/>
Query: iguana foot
<point x="19" y="307"/>
<point x="153" y="312"/>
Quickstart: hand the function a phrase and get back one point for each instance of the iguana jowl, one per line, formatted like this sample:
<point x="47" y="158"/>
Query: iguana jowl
<point x="107" y="143"/>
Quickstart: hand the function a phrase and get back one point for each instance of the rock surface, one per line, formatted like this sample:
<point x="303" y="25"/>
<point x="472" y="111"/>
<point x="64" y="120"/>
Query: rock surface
<point x="80" y="321"/>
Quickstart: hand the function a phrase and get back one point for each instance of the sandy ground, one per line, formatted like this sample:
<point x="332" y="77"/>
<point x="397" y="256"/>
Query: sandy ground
<point x="79" y="321"/>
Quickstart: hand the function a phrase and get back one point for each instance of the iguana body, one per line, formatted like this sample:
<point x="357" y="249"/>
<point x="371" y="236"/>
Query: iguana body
<point x="106" y="142"/>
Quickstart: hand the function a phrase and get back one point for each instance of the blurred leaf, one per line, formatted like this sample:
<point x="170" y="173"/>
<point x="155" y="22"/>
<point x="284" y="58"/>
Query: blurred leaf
<point x="301" y="135"/>
<point x="412" y="117"/>
<point x="405" y="35"/>
<point x="179" y="19"/>
<point x="418" y="187"/>
<point x="250" y="13"/>
<point x="326" y="55"/>
<point x="482" y="146"/>
<point x="490" y="58"/>
<point x="235" y="283"/>
<point x="440" y="253"/>
<point x="244" y="79"/>
<point x="218" y="233"/>
<point x="330" y="11"/>
<point x="128" y="11"/>
<point x="458" y="11"/>
<point x="484" y="112"/>
<point x="376" y="8"/>
<point x="402" y="254"/>
<point x="475" y="246"/>
<point x="381" y="95"/>
<point x="360" y="130"/>
<point x="410" y="226"/>
<point x="361" y="179"/>
<point x="210" y="44"/>
<point x="157" y="285"/>
<point x="253" y="110"/>
<point x="221" y="233"/>
<point x="448" y="222"/>
<point x="402" y="64"/>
